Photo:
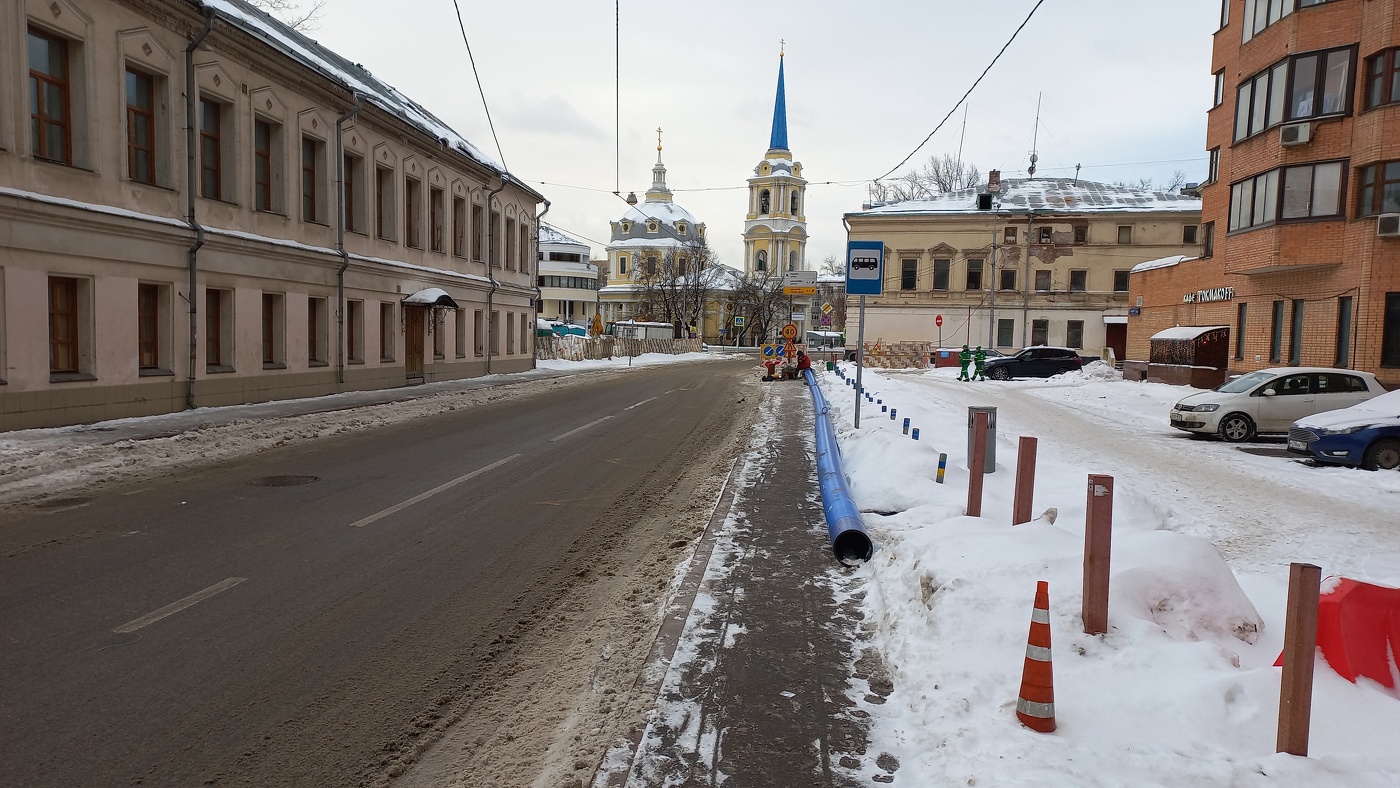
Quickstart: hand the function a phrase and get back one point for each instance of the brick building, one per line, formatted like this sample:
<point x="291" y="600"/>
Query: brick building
<point x="1301" y="257"/>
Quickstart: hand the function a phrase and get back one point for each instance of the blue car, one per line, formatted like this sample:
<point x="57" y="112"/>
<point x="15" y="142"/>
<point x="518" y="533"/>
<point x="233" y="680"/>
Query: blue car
<point x="1366" y="435"/>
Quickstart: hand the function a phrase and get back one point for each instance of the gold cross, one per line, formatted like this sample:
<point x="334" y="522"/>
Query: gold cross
<point x="658" y="139"/>
<point x="782" y="46"/>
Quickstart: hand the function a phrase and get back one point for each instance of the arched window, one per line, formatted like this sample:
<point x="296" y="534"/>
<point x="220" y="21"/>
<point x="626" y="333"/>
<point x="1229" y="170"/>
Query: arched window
<point x="760" y="259"/>
<point x="626" y="227"/>
<point x="794" y="204"/>
<point x="653" y="226"/>
<point x="622" y="264"/>
<point x="651" y="265"/>
<point x="792" y="260"/>
<point x="763" y="198"/>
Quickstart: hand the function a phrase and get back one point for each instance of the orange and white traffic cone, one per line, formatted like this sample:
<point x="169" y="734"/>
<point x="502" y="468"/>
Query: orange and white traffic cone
<point x="1036" y="705"/>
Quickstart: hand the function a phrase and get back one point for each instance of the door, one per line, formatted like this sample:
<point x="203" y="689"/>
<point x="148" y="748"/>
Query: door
<point x="1284" y="401"/>
<point x="1116" y="337"/>
<point x="415" y="320"/>
<point x="1336" y="390"/>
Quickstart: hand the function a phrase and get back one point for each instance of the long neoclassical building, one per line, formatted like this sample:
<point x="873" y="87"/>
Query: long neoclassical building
<point x="203" y="207"/>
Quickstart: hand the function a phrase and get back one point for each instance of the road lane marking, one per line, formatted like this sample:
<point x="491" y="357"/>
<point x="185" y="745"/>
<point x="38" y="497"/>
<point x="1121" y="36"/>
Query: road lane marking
<point x="176" y="607"/>
<point x="639" y="404"/>
<point x="579" y="429"/>
<point x="424" y="496"/>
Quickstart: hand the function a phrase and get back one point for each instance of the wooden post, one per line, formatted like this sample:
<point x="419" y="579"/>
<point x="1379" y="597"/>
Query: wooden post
<point x="1299" y="654"/>
<point x="1098" y="541"/>
<point x="976" y="464"/>
<point x="1025" y="481"/>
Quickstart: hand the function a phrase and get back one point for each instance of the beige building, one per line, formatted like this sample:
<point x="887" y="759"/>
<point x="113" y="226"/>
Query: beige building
<point x="1040" y="261"/>
<point x="202" y="207"/>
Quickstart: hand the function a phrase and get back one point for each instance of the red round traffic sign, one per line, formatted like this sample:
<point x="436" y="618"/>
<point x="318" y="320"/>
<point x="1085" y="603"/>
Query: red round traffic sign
<point x="938" y="320"/>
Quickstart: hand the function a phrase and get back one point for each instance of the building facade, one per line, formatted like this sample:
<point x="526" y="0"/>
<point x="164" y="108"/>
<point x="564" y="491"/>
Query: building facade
<point x="568" y="281"/>
<point x="1303" y="197"/>
<point x="203" y="207"/>
<point x="775" y="228"/>
<point x="1016" y="263"/>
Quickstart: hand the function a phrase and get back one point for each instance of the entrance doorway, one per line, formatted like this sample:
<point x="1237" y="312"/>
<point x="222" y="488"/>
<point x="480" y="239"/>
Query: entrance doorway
<point x="1116" y="337"/>
<point x="415" y="320"/>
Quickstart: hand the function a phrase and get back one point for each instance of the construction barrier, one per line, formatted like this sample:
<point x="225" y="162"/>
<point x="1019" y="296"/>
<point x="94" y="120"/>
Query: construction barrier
<point x="843" y="524"/>
<point x="576" y="348"/>
<point x="1035" y="707"/>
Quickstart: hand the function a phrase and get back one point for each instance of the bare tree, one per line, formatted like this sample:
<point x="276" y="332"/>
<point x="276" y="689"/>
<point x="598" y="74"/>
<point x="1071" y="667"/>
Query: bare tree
<point x="675" y="283"/>
<point x="758" y="299"/>
<point x="831" y="265"/>
<point x="1172" y="186"/>
<point x="293" y="13"/>
<point x="939" y="174"/>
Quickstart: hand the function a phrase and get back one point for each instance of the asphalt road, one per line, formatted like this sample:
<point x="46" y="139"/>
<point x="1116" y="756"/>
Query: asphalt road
<point x="318" y="614"/>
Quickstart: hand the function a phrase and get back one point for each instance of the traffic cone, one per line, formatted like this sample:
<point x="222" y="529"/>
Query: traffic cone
<point x="1036" y="705"/>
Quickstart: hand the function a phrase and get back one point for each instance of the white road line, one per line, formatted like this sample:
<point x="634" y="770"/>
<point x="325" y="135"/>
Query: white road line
<point x="639" y="404"/>
<point x="579" y="429"/>
<point x="176" y="607"/>
<point x="430" y="493"/>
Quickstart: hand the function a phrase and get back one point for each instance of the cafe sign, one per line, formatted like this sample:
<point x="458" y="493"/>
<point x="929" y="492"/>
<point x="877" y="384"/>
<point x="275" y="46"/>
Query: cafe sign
<point x="1207" y="296"/>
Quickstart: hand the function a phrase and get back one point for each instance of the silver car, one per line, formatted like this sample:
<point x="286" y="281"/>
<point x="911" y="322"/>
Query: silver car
<point x="1270" y="400"/>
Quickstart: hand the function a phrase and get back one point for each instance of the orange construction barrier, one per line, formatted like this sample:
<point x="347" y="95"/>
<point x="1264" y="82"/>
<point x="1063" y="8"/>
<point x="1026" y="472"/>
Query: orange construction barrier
<point x="1358" y="630"/>
<point x="1036" y="705"/>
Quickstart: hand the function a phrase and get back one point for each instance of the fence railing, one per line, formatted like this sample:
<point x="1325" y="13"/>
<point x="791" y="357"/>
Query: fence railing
<point x="593" y="348"/>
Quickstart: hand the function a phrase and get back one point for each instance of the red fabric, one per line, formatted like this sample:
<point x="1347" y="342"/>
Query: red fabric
<point x="1358" y="630"/>
<point x="804" y="362"/>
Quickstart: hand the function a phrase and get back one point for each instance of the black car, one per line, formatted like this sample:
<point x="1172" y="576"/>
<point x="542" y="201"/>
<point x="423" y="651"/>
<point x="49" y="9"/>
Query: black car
<point x="1034" y="362"/>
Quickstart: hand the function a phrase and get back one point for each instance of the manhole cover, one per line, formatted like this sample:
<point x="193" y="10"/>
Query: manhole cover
<point x="283" y="481"/>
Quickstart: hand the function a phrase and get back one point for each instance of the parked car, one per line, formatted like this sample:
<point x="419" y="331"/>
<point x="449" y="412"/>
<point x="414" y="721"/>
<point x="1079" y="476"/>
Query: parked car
<point x="1366" y="435"/>
<point x="1270" y="400"/>
<point x="1034" y="362"/>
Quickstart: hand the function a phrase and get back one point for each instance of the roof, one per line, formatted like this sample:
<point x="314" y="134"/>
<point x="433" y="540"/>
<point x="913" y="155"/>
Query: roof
<point x="549" y="235"/>
<point x="1048" y="195"/>
<point x="352" y="76"/>
<point x="664" y="210"/>
<point x="1186" y="332"/>
<point x="1161" y="262"/>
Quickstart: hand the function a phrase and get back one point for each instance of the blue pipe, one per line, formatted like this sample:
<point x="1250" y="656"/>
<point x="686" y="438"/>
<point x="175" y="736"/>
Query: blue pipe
<point x="843" y="523"/>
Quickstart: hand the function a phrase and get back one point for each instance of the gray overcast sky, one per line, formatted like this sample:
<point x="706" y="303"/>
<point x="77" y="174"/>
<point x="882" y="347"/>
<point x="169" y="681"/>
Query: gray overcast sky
<point x="1125" y="85"/>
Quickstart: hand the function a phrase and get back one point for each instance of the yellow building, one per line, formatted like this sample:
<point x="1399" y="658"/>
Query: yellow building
<point x="775" y="229"/>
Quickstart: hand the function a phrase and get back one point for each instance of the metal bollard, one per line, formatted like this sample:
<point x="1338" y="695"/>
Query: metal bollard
<point x="916" y="433"/>
<point x="906" y="426"/>
<point x="892" y="412"/>
<point x="884" y="408"/>
<point x="942" y="466"/>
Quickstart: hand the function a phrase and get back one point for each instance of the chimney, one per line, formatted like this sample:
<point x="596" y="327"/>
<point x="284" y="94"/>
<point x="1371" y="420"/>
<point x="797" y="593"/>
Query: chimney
<point x="994" y="181"/>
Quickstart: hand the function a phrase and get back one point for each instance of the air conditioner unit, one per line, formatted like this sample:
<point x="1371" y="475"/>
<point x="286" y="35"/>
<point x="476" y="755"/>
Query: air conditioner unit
<point x="1388" y="225"/>
<point x="1295" y="134"/>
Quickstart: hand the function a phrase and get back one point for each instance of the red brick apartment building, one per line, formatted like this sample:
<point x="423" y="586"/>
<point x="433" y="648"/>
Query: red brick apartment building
<point x="1301" y="208"/>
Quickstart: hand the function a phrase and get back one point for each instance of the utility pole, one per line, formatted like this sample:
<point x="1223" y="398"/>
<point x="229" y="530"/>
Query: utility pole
<point x="1026" y="290"/>
<point x="992" y="285"/>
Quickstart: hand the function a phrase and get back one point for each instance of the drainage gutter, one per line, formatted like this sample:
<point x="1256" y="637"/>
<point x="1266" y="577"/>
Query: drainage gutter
<point x="843" y="522"/>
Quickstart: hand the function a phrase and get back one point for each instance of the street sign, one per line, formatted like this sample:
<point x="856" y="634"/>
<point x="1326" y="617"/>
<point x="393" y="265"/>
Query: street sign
<point x="738" y="320"/>
<point x="826" y="308"/>
<point x="799" y="317"/>
<point x="938" y="320"/>
<point x="799" y="290"/>
<point x="865" y="267"/>
<point x="789" y="332"/>
<point x="826" y="320"/>
<point x="800" y="279"/>
<point x="771" y="351"/>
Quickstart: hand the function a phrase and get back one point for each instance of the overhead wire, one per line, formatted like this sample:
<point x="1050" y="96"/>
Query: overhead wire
<point x="479" y="89"/>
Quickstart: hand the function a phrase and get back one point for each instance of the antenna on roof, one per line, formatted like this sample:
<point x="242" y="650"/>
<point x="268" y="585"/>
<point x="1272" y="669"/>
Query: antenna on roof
<point x="1035" y="136"/>
<point x="1076" y="175"/>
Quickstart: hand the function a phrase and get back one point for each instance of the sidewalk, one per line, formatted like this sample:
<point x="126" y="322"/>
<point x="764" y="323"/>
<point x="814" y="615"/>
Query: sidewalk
<point x="762" y="688"/>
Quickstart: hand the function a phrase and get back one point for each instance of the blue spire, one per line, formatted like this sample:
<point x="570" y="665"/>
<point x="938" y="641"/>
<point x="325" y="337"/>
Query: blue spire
<point x="779" y="139"/>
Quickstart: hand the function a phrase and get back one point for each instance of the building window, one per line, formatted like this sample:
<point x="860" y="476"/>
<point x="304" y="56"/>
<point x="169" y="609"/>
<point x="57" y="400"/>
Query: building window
<point x="525" y="346"/>
<point x="1276" y="334"/>
<point x="317" y="330"/>
<point x="1042" y="281"/>
<point x="908" y="274"/>
<point x="1390" y="331"/>
<point x="273" y="323"/>
<point x="386" y="332"/>
<point x="1225" y="12"/>
<point x="510" y="250"/>
<point x="1188" y="233"/>
<point x="1125" y="233"/>
<point x="1120" y="281"/>
<point x="1241" y="315"/>
<point x="494" y="250"/>
<point x="1074" y="333"/>
<point x="354" y="195"/>
<point x="1309" y="191"/>
<point x="760" y="259"/>
<point x="1040" y="332"/>
<point x="140" y="127"/>
<point x="1044" y="235"/>
<point x="460" y="347"/>
<point x="651" y="265"/>
<point x="1213" y="168"/>
<point x="1008" y="236"/>
<point x="626" y="227"/>
<point x="478" y="336"/>
<point x="384" y="203"/>
<point x="1007" y="279"/>
<point x="1219" y="88"/>
<point x="1081" y="234"/>
<point x="1343" y="354"/>
<point x="1383" y="78"/>
<point x="355" y="332"/>
<point x="218" y="330"/>
<point x="1208" y="242"/>
<point x="653" y="227"/>
<point x="495" y="331"/>
<point x="1078" y="281"/>
<point x="763" y="198"/>
<point x="794" y="204"/>
<point x="312" y="200"/>
<point x="211" y="167"/>
<point x="263" y="165"/>
<point x="150" y="337"/>
<point x="1378" y="188"/>
<point x="436" y="220"/>
<point x="439" y="327"/>
<point x="50" y="132"/>
<point x="64" y="323"/>
<point x="510" y="337"/>
<point x="459" y="226"/>
<point x="479" y="234"/>
<point x="1259" y="14"/>
<point x="974" y="275"/>
<point x="682" y="228"/>
<point x="941" y="269"/>
<point x="1295" y="336"/>
<point x="1300" y="87"/>
<point x="1006" y="331"/>
<point x="413" y="213"/>
<point x="622" y="265"/>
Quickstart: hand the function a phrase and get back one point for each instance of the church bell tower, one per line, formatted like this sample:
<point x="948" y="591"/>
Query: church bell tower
<point x="775" y="228"/>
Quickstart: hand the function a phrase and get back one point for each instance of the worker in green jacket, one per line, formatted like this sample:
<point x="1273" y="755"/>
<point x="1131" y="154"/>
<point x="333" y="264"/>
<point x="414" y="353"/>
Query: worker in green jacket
<point x="979" y="358"/>
<point x="964" y="358"/>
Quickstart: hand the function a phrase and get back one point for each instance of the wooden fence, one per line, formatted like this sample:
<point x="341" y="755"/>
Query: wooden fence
<point x="589" y="348"/>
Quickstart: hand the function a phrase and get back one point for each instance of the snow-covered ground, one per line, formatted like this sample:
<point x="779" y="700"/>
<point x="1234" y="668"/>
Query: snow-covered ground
<point x="1182" y="690"/>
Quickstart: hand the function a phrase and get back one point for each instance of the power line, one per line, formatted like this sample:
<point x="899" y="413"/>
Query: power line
<point x="965" y="95"/>
<point x="479" y="89"/>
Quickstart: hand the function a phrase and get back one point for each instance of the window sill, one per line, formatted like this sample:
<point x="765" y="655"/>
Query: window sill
<point x="71" y="377"/>
<point x="316" y="222"/>
<point x="273" y="365"/>
<point x="314" y="363"/>
<point x="459" y="356"/>
<point x="386" y="360"/>
<point x="218" y="369"/>
<point x="144" y="185"/>
<point x="356" y="362"/>
<point x="266" y="212"/>
<point x="155" y="372"/>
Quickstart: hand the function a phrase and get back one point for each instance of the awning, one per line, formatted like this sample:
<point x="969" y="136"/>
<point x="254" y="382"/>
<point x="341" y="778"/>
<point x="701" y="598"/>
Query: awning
<point x="433" y="296"/>
<point x="1186" y="332"/>
<point x="1114" y="319"/>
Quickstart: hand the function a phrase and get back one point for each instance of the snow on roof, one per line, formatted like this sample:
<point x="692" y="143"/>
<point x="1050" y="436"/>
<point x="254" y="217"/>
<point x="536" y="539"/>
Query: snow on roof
<point x="431" y="296"/>
<point x="660" y="242"/>
<point x="658" y="209"/>
<point x="353" y="76"/>
<point x="1161" y="262"/>
<point x="549" y="235"/>
<point x="1049" y="195"/>
<point x="1185" y="332"/>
